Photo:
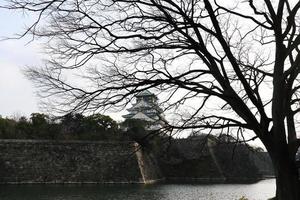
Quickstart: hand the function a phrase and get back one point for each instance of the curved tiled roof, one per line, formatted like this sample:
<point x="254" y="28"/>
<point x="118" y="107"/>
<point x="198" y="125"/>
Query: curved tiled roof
<point x="144" y="93"/>
<point x="142" y="116"/>
<point x="145" y="108"/>
<point x="141" y="104"/>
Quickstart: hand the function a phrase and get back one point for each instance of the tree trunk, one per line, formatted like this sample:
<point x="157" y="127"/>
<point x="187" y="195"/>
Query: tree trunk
<point x="287" y="180"/>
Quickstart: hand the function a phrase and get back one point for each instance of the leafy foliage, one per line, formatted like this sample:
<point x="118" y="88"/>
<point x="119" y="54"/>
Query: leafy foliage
<point x="135" y="129"/>
<point x="69" y="127"/>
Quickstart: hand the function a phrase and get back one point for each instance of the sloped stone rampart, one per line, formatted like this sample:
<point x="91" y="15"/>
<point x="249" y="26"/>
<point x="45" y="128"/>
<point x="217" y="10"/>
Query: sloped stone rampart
<point x="48" y="161"/>
<point x="44" y="161"/>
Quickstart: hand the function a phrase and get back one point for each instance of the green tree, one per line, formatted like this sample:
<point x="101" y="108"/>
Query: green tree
<point x="136" y="130"/>
<point x="40" y="127"/>
<point x="7" y="128"/>
<point x="241" y="60"/>
<point x="93" y="127"/>
<point x="102" y="127"/>
<point x="23" y="128"/>
<point x="71" y="126"/>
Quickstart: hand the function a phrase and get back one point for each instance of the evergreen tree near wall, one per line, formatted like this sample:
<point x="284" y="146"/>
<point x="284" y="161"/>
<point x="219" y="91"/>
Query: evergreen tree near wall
<point x="69" y="127"/>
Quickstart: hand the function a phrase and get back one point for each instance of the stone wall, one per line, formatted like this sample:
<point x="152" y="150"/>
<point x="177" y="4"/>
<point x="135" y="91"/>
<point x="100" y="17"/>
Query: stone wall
<point x="187" y="160"/>
<point x="202" y="160"/>
<point x="149" y="166"/>
<point x="44" y="161"/>
<point x="263" y="161"/>
<point x="48" y="161"/>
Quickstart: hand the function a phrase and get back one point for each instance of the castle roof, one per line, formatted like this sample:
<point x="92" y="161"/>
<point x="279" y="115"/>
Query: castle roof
<point x="145" y="108"/>
<point x="141" y="104"/>
<point x="142" y="116"/>
<point x="144" y="93"/>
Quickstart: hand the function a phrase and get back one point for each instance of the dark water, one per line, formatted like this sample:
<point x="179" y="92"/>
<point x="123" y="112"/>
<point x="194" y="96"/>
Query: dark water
<point x="258" y="191"/>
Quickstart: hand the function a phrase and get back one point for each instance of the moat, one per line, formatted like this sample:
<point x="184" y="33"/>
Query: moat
<point x="257" y="191"/>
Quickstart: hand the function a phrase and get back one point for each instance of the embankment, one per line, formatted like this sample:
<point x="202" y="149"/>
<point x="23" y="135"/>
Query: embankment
<point x="46" y="161"/>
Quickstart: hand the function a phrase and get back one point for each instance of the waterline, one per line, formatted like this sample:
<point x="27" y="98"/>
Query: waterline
<point x="257" y="191"/>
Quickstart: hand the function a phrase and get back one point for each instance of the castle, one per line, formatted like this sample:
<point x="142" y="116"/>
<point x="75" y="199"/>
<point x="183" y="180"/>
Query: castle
<point x="146" y="108"/>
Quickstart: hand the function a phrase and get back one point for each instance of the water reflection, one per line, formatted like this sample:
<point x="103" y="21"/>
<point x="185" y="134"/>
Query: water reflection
<point x="258" y="191"/>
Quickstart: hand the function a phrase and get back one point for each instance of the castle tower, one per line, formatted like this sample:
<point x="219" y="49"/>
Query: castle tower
<point x="146" y="108"/>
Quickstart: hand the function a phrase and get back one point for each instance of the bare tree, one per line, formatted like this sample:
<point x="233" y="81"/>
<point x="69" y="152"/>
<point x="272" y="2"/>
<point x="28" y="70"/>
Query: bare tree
<point x="239" y="60"/>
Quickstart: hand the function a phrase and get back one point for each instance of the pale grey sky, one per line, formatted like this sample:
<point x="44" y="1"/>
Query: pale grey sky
<point x="17" y="95"/>
<point x="16" y="92"/>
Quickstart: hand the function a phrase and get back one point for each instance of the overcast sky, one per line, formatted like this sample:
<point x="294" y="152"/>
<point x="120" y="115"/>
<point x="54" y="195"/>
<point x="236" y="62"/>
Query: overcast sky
<point x="16" y="92"/>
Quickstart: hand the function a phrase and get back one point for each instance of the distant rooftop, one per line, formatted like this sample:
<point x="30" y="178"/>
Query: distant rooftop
<point x="142" y="116"/>
<point x="144" y="93"/>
